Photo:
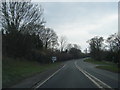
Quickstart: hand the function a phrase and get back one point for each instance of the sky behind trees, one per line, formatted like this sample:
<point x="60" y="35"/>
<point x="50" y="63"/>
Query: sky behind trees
<point x="80" y="21"/>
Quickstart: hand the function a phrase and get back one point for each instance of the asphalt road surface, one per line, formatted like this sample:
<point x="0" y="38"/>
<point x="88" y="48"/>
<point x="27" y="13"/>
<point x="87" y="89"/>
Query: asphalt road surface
<point x="80" y="74"/>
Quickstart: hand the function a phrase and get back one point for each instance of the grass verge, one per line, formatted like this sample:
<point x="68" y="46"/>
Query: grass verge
<point x="110" y="68"/>
<point x="105" y="65"/>
<point x="15" y="70"/>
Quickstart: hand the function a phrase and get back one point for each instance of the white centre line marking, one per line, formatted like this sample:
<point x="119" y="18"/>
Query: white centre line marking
<point x="95" y="80"/>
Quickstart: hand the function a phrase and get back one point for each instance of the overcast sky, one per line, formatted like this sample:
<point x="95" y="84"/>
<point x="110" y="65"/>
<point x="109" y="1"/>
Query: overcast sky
<point x="80" y="21"/>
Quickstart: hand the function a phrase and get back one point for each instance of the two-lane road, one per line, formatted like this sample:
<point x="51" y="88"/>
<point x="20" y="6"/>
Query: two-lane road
<point x="71" y="77"/>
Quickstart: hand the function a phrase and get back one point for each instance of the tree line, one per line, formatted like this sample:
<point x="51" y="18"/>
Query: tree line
<point x="109" y="51"/>
<point x="24" y="35"/>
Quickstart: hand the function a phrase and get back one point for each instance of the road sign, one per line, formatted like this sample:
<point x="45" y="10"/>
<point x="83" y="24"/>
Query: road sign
<point x="54" y="59"/>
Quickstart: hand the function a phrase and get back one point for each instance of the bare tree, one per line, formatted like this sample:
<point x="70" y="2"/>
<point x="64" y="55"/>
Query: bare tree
<point x="69" y="46"/>
<point x="76" y="46"/>
<point x="49" y="37"/>
<point x="19" y="21"/>
<point x="114" y="42"/>
<point x="63" y="43"/>
<point x="96" y="47"/>
<point x="20" y="16"/>
<point x="114" y="47"/>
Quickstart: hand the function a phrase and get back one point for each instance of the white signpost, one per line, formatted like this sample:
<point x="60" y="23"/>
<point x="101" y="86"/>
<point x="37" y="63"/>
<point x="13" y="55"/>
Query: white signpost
<point x="54" y="59"/>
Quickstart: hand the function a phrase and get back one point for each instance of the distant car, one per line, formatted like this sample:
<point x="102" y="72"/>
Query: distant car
<point x="54" y="58"/>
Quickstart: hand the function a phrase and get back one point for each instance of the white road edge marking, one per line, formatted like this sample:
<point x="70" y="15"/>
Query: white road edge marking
<point x="49" y="77"/>
<point x="87" y="76"/>
<point x="94" y="78"/>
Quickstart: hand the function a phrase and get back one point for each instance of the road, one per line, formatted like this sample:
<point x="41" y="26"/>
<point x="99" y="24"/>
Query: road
<point x="80" y="74"/>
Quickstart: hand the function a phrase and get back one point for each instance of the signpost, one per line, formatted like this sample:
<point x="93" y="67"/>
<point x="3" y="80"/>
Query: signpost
<point x="54" y="59"/>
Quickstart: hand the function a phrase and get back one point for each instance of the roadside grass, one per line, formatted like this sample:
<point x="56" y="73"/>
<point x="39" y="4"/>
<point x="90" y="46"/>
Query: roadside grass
<point x="113" y="68"/>
<point x="110" y="66"/>
<point x="15" y="70"/>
